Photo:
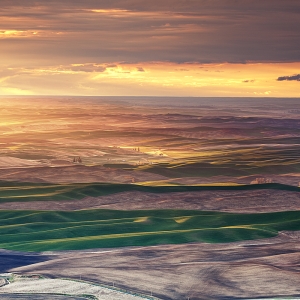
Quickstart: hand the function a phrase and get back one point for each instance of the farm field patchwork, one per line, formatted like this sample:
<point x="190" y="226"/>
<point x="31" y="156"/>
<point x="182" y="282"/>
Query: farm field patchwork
<point x="186" y="197"/>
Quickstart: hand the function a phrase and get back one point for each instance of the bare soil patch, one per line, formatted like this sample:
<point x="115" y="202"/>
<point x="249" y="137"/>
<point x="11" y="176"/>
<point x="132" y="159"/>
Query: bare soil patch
<point x="252" y="269"/>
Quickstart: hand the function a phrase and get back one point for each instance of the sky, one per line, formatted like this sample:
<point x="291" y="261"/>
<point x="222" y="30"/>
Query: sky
<point x="238" y="48"/>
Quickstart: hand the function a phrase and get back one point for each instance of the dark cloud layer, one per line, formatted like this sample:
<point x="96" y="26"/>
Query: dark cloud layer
<point x="155" y="5"/>
<point x="289" y="78"/>
<point x="132" y="31"/>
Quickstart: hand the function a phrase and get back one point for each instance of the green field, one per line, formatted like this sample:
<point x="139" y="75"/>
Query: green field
<point x="15" y="192"/>
<point x="61" y="230"/>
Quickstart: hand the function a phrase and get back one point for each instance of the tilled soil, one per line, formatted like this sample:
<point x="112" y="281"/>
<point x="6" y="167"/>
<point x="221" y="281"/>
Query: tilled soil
<point x="248" y="201"/>
<point x="250" y="269"/>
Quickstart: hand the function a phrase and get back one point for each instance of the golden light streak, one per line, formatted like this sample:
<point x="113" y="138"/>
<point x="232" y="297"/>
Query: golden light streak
<point x="190" y="79"/>
<point x="110" y="11"/>
<point x="5" y="34"/>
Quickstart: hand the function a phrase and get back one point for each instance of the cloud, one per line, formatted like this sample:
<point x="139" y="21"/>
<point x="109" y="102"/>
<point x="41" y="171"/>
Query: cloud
<point x="160" y="78"/>
<point x="143" y="31"/>
<point x="47" y="45"/>
<point x="289" y="78"/>
<point x="88" y="67"/>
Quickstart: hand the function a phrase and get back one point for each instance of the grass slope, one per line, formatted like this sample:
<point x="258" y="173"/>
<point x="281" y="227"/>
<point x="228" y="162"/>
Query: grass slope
<point x="15" y="192"/>
<point x="60" y="230"/>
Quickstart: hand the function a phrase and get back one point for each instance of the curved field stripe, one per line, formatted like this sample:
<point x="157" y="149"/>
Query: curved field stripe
<point x="40" y="192"/>
<point x="59" y="230"/>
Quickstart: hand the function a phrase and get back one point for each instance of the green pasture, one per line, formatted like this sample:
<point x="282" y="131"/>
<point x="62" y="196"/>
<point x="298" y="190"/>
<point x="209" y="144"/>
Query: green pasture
<point x="85" y="229"/>
<point x="16" y="192"/>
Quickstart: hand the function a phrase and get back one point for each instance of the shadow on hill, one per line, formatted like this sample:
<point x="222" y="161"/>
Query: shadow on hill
<point x="10" y="261"/>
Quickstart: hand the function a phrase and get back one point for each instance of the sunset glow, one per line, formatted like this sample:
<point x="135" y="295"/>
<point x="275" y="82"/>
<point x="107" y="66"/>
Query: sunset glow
<point x="253" y="79"/>
<point x="172" y="49"/>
